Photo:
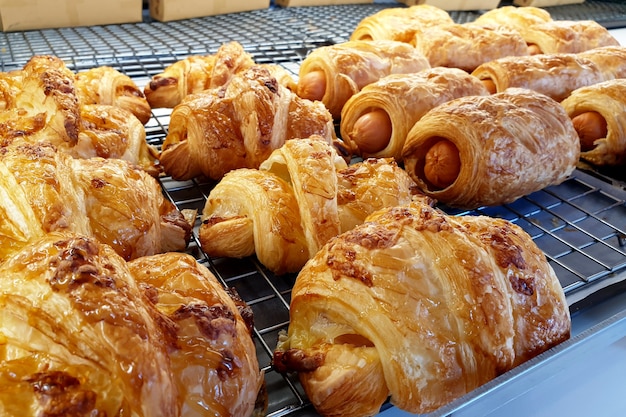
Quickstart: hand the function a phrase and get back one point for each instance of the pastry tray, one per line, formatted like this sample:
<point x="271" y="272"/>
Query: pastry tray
<point x="579" y="224"/>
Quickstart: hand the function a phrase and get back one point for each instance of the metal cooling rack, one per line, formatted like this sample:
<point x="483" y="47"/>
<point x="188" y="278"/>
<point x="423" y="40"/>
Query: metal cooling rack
<point x="580" y="224"/>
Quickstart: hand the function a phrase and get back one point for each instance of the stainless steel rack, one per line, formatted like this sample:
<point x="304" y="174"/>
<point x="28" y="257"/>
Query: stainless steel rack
<point x="579" y="224"/>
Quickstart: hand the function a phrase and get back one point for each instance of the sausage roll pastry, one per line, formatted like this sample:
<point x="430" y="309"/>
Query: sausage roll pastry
<point x="399" y="23"/>
<point x="490" y="150"/>
<point x="106" y="85"/>
<point x="597" y="112"/>
<point x="610" y="59"/>
<point x="467" y="45"/>
<point x="85" y="333"/>
<point x="418" y="307"/>
<point x="300" y="198"/>
<point x="44" y="191"/>
<point x="238" y="125"/>
<point x="568" y="36"/>
<point x="336" y="72"/>
<point x="376" y="120"/>
<point x="196" y="73"/>
<point x="555" y="75"/>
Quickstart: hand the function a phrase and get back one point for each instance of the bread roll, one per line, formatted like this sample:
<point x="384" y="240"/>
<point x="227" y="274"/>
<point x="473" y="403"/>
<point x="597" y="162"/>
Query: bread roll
<point x="438" y="305"/>
<point x="509" y="144"/>
<point x="608" y="99"/>
<point x="345" y="68"/>
<point x="404" y="98"/>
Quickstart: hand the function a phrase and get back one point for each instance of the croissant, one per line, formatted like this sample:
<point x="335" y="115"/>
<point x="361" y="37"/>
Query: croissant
<point x="106" y="85"/>
<point x="399" y="23"/>
<point x="238" y="125"/>
<point x="301" y="197"/>
<point x="400" y="100"/>
<point x="568" y="36"/>
<point x="467" y="45"/>
<point x="610" y="59"/>
<point x="44" y="190"/>
<point x="196" y="73"/>
<point x="419" y="307"/>
<point x="85" y="333"/>
<point x="336" y="72"/>
<point x="458" y="159"/>
<point x="555" y="75"/>
<point x="603" y="138"/>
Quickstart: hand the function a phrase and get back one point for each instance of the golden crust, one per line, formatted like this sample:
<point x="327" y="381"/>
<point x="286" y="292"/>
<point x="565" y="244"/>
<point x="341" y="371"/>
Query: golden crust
<point x="510" y="144"/>
<point x="487" y="300"/>
<point x="610" y="59"/>
<point x="567" y="36"/>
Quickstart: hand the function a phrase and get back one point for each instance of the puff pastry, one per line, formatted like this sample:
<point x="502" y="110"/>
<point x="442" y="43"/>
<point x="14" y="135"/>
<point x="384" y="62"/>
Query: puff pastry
<point x="238" y="125"/>
<point x="336" y="72"/>
<point x="610" y="59"/>
<point x="404" y="99"/>
<point x="467" y="45"/>
<point x="106" y="85"/>
<point x="44" y="191"/>
<point x="399" y="23"/>
<point x="608" y="99"/>
<point x="85" y="333"/>
<point x="438" y="306"/>
<point x="521" y="19"/>
<point x="555" y="75"/>
<point x="568" y="36"/>
<point x="528" y="143"/>
<point x="301" y="197"/>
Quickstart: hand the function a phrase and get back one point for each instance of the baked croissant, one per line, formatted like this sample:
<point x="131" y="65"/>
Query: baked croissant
<point x="238" y="125"/>
<point x="420" y="307"/>
<point x="597" y="113"/>
<point x="301" y="197"/>
<point x="568" y="36"/>
<point x="336" y="72"/>
<point x="610" y="59"/>
<point x="196" y="73"/>
<point x="399" y="23"/>
<point x="555" y="75"/>
<point x="44" y="191"/>
<point x="106" y="85"/>
<point x="376" y="120"/>
<point x="467" y="45"/>
<point x="489" y="150"/>
<point x="85" y="333"/>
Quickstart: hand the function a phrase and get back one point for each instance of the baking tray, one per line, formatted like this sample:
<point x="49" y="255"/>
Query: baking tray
<point x="579" y="224"/>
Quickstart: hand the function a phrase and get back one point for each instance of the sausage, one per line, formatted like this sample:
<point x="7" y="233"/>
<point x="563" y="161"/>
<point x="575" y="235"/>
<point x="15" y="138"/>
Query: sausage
<point x="590" y="127"/>
<point x="312" y="85"/>
<point x="442" y="164"/>
<point x="490" y="85"/>
<point x="372" y="131"/>
<point x="534" y="49"/>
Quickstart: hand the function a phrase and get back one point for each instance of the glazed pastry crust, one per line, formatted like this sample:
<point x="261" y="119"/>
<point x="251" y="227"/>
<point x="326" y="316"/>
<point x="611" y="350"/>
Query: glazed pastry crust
<point x="399" y="24"/>
<point x="609" y="99"/>
<point x="520" y="19"/>
<point x="467" y="45"/>
<point x="238" y="126"/>
<point x="350" y="66"/>
<point x="405" y="98"/>
<point x="528" y="144"/>
<point x="487" y="300"/>
<point x="567" y="36"/>
<point x="555" y="75"/>
<point x="610" y="59"/>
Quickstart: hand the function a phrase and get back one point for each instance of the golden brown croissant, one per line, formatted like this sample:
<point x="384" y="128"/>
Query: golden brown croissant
<point x="438" y="305"/>
<point x="399" y="23"/>
<point x="336" y="72"/>
<point x="196" y="73"/>
<point x="555" y="75"/>
<point x="490" y="150"/>
<point x="597" y="113"/>
<point x="375" y="121"/>
<point x="568" y="36"/>
<point x="85" y="333"/>
<point x="238" y="125"/>
<point x="106" y="85"/>
<point x="301" y="197"/>
<point x="610" y="59"/>
<point x="467" y="45"/>
<point x="44" y="190"/>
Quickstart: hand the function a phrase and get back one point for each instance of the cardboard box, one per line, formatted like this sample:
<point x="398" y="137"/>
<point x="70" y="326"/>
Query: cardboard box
<point x="18" y="15"/>
<point x="456" y="4"/>
<point x="294" y="3"/>
<point x="166" y="10"/>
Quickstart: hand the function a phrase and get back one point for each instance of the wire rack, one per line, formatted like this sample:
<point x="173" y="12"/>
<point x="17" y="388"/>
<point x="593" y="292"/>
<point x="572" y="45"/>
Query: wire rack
<point x="580" y="224"/>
